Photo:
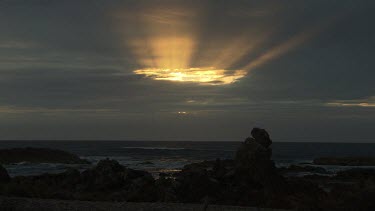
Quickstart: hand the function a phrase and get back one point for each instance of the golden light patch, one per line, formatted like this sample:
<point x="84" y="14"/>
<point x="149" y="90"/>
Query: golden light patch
<point x="352" y="104"/>
<point x="167" y="43"/>
<point x="206" y="76"/>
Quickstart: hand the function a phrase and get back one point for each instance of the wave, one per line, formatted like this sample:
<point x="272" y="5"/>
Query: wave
<point x="178" y="148"/>
<point x="157" y="148"/>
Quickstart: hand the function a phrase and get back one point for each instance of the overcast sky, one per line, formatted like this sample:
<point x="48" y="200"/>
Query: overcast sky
<point x="304" y="70"/>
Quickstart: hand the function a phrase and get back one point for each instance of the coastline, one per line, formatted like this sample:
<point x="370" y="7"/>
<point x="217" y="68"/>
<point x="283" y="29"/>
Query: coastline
<point x="250" y="179"/>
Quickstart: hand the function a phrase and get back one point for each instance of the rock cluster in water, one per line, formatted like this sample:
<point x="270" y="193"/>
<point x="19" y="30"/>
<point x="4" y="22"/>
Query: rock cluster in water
<point x="251" y="179"/>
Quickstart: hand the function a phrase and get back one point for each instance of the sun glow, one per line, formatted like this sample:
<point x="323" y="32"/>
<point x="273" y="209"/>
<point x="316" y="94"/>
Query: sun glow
<point x="167" y="43"/>
<point x="209" y="76"/>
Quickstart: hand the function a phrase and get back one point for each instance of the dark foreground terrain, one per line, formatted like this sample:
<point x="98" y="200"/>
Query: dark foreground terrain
<point x="32" y="204"/>
<point x="250" y="179"/>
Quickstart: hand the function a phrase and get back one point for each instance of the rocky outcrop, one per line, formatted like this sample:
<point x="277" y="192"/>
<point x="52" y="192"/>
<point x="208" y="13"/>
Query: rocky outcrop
<point x="345" y="161"/>
<point x="261" y="137"/>
<point x="302" y="169"/>
<point x="253" y="162"/>
<point x="108" y="180"/>
<point x="38" y="155"/>
<point x="251" y="179"/>
<point x="4" y="176"/>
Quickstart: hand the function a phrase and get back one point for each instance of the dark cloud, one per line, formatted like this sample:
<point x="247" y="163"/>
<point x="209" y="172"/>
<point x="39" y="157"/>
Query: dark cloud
<point x="66" y="70"/>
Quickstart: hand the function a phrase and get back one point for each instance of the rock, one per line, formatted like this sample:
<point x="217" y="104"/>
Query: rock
<point x="146" y="163"/>
<point x="253" y="162"/>
<point x="356" y="174"/>
<point x="261" y="136"/>
<point x="108" y="180"/>
<point x="345" y="161"/>
<point x="106" y="175"/>
<point x="251" y="179"/>
<point x="194" y="185"/>
<point x="111" y="181"/>
<point x="165" y="189"/>
<point x="4" y="176"/>
<point x="38" y="155"/>
<point x="305" y="168"/>
<point x="142" y="189"/>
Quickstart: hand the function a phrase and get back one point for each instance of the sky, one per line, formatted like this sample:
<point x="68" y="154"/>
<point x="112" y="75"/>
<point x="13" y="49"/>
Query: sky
<point x="187" y="70"/>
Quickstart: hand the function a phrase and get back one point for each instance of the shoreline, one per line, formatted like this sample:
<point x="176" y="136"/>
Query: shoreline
<point x="250" y="179"/>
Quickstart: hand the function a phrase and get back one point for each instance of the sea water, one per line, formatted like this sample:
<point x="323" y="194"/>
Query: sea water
<point x="171" y="156"/>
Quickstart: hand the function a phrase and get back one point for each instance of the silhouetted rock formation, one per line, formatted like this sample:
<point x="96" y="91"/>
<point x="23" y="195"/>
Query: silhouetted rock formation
<point x="4" y="176"/>
<point x="38" y="155"/>
<point x="262" y="137"/>
<point x="107" y="181"/>
<point x="251" y="179"/>
<point x="253" y="162"/>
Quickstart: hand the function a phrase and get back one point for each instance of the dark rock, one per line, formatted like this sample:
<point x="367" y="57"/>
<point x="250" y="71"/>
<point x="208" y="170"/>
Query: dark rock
<point x="108" y="180"/>
<point x="305" y="168"/>
<point x="38" y="155"/>
<point x="4" y="176"/>
<point x="163" y="174"/>
<point x="356" y="174"/>
<point x="194" y="185"/>
<point x="345" y="161"/>
<point x="107" y="175"/>
<point x="253" y="162"/>
<point x="261" y="136"/>
<point x="165" y="189"/>
<point x="146" y="163"/>
<point x="142" y="189"/>
<point x="251" y="179"/>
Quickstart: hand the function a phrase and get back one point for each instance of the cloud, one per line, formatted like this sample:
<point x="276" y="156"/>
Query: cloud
<point x="13" y="44"/>
<point x="50" y="111"/>
<point x="366" y="103"/>
<point x="76" y="71"/>
<point x="205" y="76"/>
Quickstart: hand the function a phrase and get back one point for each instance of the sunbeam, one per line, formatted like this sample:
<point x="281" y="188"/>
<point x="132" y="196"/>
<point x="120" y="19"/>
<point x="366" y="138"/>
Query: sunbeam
<point x="167" y="45"/>
<point x="207" y="76"/>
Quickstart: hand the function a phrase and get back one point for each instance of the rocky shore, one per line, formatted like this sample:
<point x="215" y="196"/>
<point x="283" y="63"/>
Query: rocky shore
<point x="251" y="179"/>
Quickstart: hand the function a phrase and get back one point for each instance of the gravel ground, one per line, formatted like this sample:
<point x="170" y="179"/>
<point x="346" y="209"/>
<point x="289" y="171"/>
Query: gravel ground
<point x="28" y="204"/>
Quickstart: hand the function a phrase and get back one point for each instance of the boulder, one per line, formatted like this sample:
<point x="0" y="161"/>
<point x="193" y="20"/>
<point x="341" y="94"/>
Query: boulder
<point x="302" y="168"/>
<point x="106" y="175"/>
<point x="194" y="185"/>
<point x="4" y="176"/>
<point x="262" y="137"/>
<point x="142" y="189"/>
<point x="165" y="189"/>
<point x="254" y="165"/>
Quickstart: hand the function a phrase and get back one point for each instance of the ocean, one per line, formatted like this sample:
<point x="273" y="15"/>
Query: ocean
<point x="170" y="156"/>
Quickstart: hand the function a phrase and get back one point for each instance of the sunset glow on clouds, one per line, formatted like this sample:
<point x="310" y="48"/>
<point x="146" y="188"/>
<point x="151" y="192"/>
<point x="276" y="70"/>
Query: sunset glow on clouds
<point x="209" y="76"/>
<point x="127" y="68"/>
